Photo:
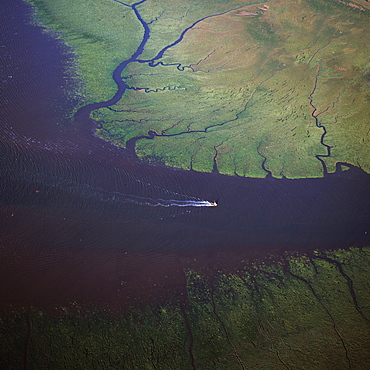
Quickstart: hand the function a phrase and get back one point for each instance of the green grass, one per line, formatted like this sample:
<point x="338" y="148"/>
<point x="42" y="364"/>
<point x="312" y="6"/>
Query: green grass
<point x="245" y="84"/>
<point x="102" y="35"/>
<point x="293" y="311"/>
<point x="254" y="82"/>
<point x="171" y="17"/>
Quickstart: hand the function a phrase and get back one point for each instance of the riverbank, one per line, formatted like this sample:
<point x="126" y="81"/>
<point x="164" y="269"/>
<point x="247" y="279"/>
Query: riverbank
<point x="263" y="101"/>
<point x="297" y="311"/>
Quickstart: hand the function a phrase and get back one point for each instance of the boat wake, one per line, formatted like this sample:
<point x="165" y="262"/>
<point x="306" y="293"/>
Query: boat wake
<point x="117" y="197"/>
<point x="166" y="202"/>
<point x="161" y="202"/>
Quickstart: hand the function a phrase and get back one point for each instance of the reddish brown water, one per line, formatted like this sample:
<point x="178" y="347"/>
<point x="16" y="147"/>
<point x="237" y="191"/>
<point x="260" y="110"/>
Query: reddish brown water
<point x="83" y="221"/>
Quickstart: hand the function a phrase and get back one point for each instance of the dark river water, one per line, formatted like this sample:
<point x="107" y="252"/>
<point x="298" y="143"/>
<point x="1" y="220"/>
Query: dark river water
<point x="79" y="216"/>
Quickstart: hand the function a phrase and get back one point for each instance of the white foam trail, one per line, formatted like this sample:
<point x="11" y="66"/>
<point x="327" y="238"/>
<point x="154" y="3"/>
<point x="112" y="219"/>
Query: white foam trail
<point x="124" y="198"/>
<point x="181" y="203"/>
<point x="105" y="196"/>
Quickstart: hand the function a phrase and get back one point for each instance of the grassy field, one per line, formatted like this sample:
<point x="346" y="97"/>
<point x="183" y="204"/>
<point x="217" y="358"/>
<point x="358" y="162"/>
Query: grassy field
<point x="102" y="34"/>
<point x="247" y="82"/>
<point x="294" y="311"/>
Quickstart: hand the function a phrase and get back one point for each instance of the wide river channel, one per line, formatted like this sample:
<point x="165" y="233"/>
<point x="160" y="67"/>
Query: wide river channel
<point x="78" y="214"/>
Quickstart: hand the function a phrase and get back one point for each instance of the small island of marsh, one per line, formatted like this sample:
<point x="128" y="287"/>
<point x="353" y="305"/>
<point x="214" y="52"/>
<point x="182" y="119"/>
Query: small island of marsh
<point x="250" y="88"/>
